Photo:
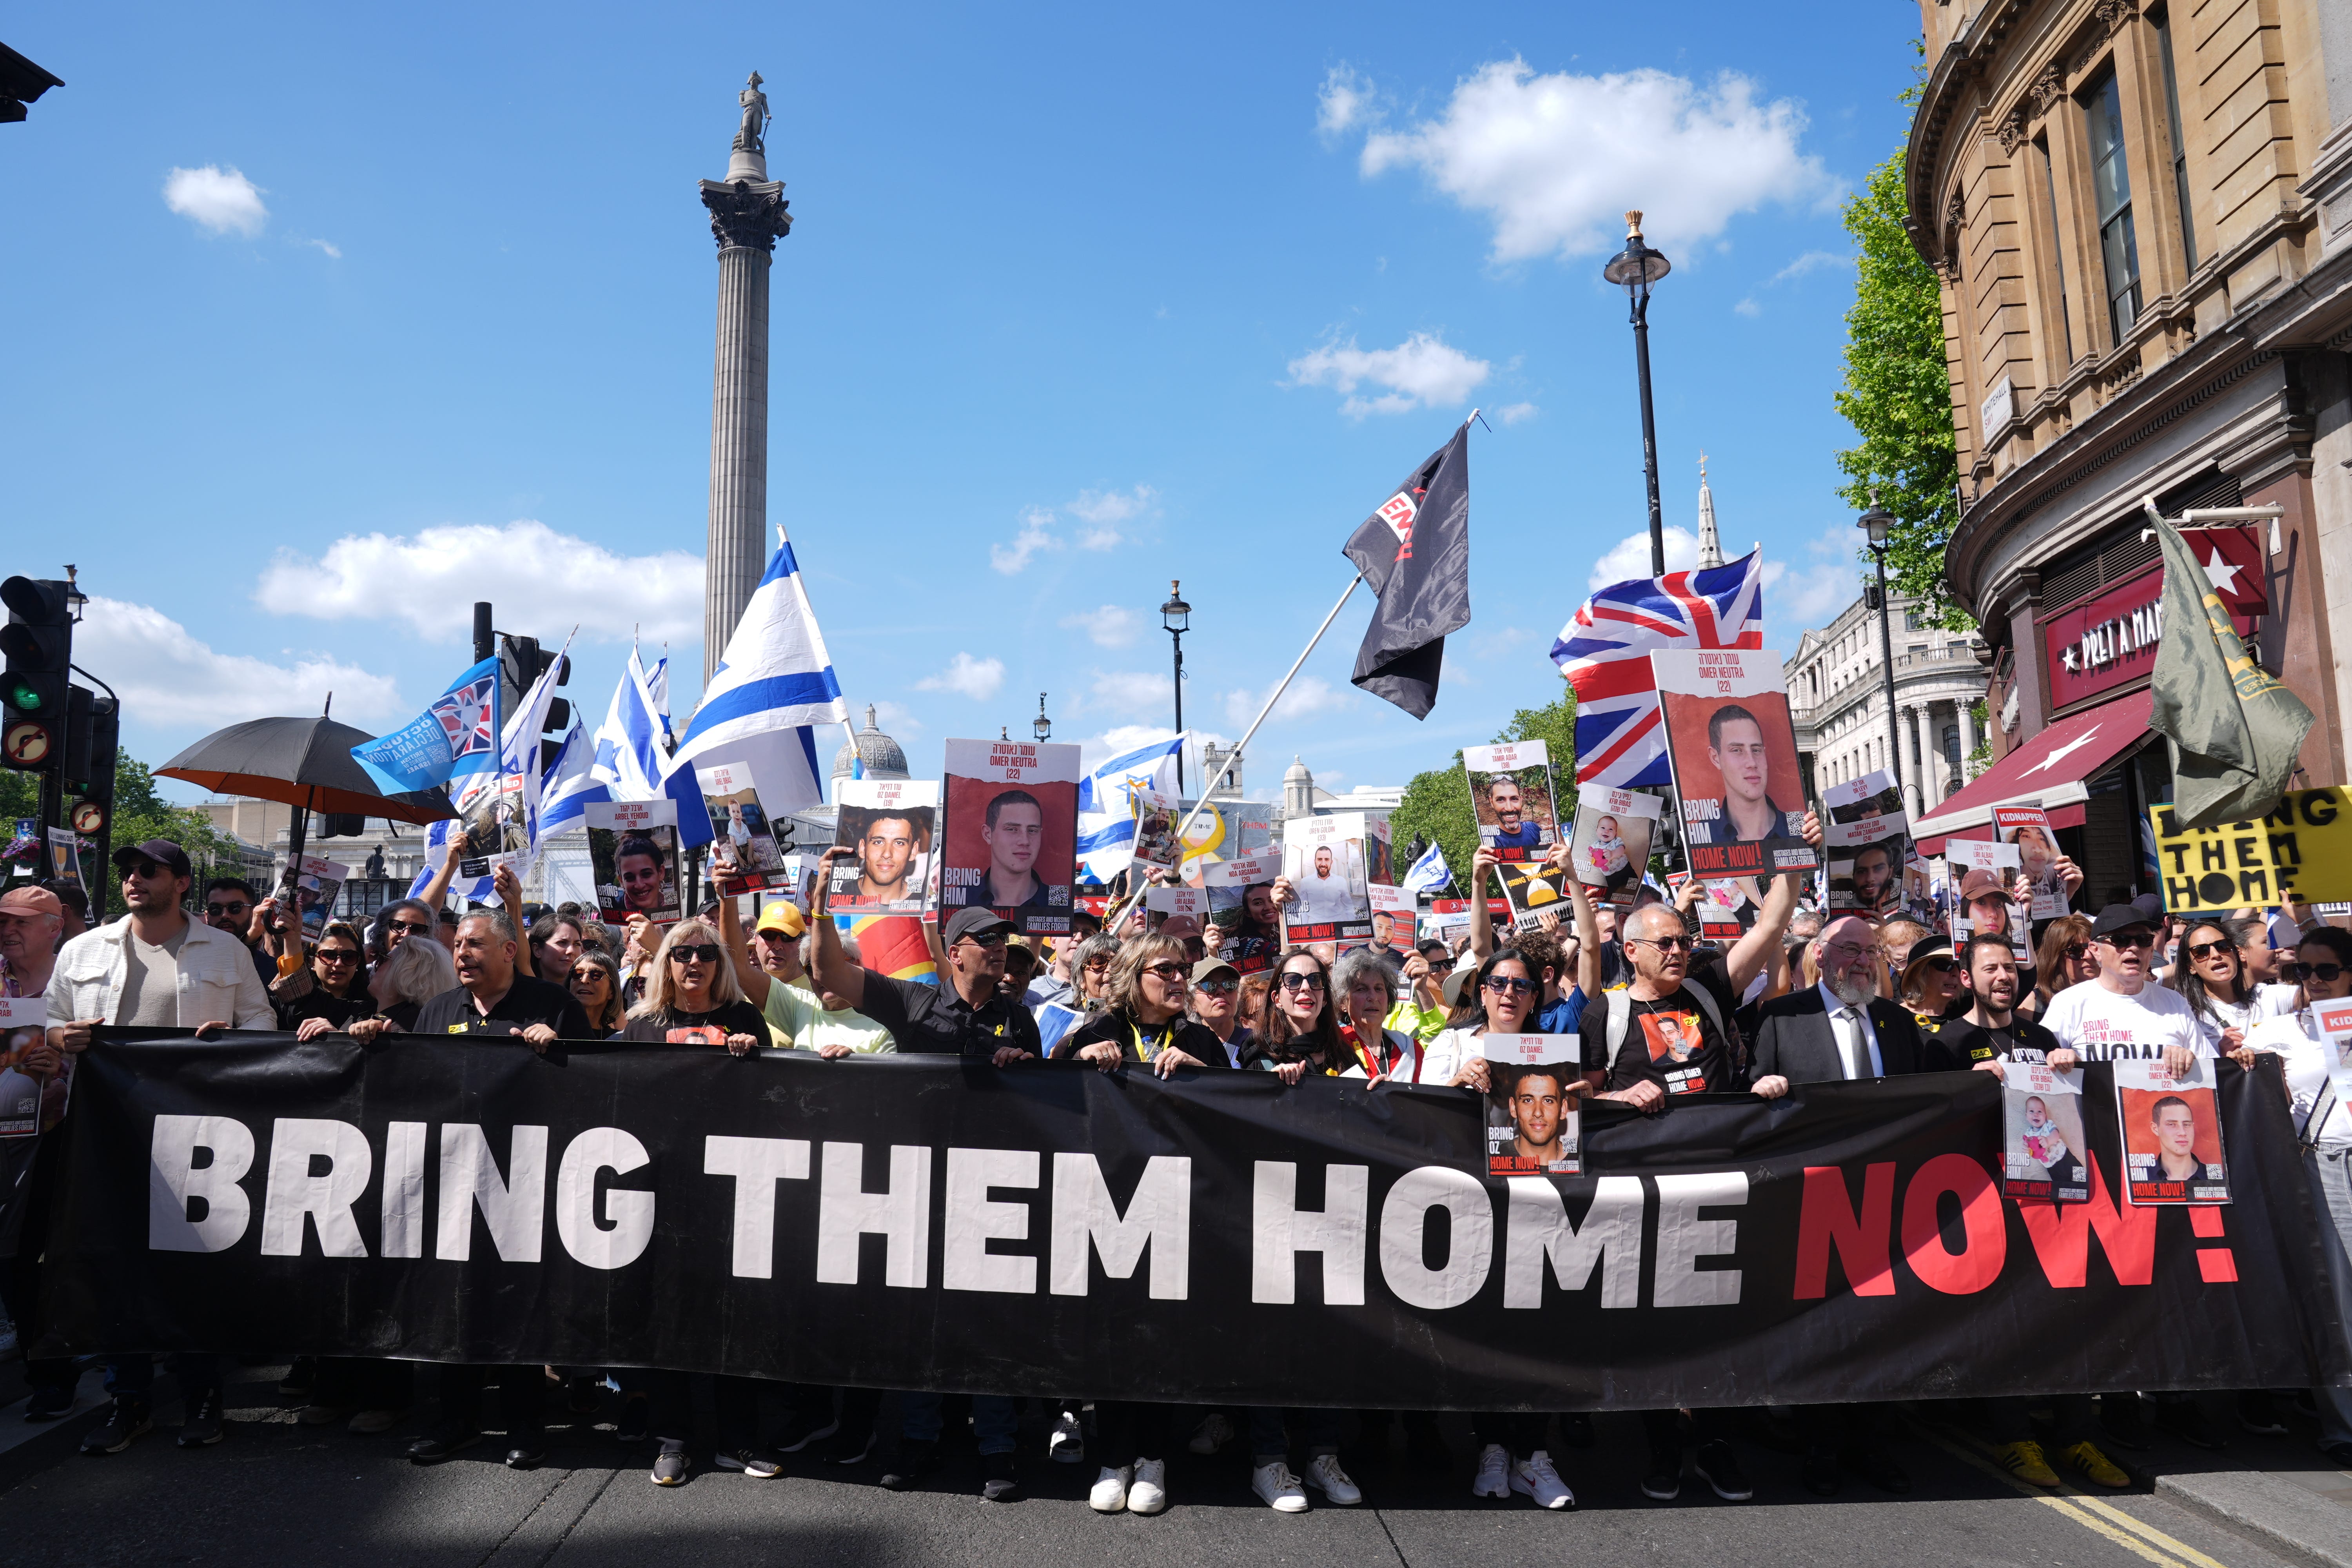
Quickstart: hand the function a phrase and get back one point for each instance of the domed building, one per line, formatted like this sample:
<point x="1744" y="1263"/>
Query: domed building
<point x="881" y="754"/>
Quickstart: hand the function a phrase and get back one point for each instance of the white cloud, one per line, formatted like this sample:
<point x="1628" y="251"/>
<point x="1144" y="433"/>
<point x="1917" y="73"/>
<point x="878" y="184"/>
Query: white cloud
<point x="430" y="579"/>
<point x="1748" y="307"/>
<point x="1421" y="371"/>
<point x="1555" y="161"/>
<point x="892" y="718"/>
<point x="1307" y="694"/>
<point x="1812" y="261"/>
<point x="330" y="248"/>
<point x="977" y="679"/>
<point x="1797" y="597"/>
<point x="1129" y="690"/>
<point x="221" y="200"/>
<point x="1343" y="102"/>
<point x="1096" y="750"/>
<point x="169" y="680"/>
<point x="1629" y="557"/>
<point x="1104" y="510"/>
<point x="1513" y="414"/>
<point x="1113" y="625"/>
<point x="1036" y="533"/>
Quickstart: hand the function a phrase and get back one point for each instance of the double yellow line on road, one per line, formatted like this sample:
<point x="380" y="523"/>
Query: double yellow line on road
<point x="2095" y="1514"/>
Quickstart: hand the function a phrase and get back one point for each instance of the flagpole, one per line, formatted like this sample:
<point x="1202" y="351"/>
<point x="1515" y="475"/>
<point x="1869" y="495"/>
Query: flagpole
<point x="1119" y="912"/>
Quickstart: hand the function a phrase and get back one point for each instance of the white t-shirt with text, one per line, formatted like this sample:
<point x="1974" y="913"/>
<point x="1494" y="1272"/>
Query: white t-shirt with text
<point x="2103" y="1025"/>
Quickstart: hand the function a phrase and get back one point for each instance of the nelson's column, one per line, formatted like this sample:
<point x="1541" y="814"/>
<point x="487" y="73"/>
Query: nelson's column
<point x="747" y="216"/>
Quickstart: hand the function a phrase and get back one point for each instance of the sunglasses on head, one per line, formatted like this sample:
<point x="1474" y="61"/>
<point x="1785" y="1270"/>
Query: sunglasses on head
<point x="1299" y="981"/>
<point x="2325" y="973"/>
<point x="693" y="952"/>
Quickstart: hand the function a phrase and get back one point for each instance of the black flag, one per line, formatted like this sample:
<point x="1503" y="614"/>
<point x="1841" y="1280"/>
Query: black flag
<point x="1415" y="552"/>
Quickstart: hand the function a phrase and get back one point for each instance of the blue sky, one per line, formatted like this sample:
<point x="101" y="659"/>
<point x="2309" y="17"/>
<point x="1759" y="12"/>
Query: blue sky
<point x="329" y="321"/>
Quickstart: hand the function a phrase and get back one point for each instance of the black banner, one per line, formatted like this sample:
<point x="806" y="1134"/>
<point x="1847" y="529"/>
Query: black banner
<point x="920" y="1223"/>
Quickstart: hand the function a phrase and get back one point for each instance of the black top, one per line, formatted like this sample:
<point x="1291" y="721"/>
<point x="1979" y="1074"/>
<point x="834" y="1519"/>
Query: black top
<point x="1139" y="1044"/>
<point x="1795" y="1040"/>
<point x="676" y="1026"/>
<point x="2021" y="1039"/>
<point x="526" y="1002"/>
<point x="935" y="1020"/>
<point x="1670" y="1042"/>
<point x="318" y="1003"/>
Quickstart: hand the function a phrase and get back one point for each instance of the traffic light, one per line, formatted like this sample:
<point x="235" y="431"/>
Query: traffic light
<point x="521" y="661"/>
<point x="342" y="824"/>
<point x="93" y="813"/>
<point x="76" y="753"/>
<point x="39" y="643"/>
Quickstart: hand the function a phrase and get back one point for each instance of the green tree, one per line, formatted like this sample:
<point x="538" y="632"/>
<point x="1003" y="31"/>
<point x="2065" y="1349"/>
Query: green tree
<point x="1898" y="393"/>
<point x="1436" y="804"/>
<point x="139" y="814"/>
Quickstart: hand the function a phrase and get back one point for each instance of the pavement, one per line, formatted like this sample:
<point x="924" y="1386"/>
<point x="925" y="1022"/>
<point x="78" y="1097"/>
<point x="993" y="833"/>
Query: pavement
<point x="274" y="1491"/>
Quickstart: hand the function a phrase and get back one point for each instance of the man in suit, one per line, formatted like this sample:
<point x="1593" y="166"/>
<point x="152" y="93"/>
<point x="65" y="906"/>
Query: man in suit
<point x="1839" y="1031"/>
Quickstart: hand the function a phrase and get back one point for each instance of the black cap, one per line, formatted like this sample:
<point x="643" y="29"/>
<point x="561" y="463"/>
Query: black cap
<point x="162" y="851"/>
<point x="2152" y="906"/>
<point x="975" y="922"/>
<point x="1927" y="946"/>
<point x="2121" y="917"/>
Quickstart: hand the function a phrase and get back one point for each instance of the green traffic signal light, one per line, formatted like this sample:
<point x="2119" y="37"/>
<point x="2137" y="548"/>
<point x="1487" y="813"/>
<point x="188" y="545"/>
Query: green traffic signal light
<point x="24" y="696"/>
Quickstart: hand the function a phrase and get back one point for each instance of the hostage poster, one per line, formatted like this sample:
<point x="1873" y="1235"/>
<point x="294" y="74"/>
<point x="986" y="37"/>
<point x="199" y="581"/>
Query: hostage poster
<point x="1610" y="847"/>
<point x="2171" y="1133"/>
<point x="632" y="856"/>
<point x="746" y="855"/>
<point x="1867" y="839"/>
<point x="1331" y="897"/>
<point x="1532" y="1129"/>
<point x="2027" y="827"/>
<point x="892" y="824"/>
<point x="1009" y="842"/>
<point x="1733" y="753"/>
<point x="2043" y="1149"/>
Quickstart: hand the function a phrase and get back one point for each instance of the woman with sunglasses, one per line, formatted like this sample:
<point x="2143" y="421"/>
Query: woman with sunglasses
<point x="1216" y="996"/>
<point x="2065" y="959"/>
<point x="692" y="999"/>
<point x="595" y="980"/>
<point x="2323" y="965"/>
<point x="2211" y="976"/>
<point x="332" y="992"/>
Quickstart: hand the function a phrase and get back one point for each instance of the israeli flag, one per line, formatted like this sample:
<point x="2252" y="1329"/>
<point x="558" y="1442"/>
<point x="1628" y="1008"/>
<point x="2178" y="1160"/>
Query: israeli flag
<point x="760" y="706"/>
<point x="1107" y="804"/>
<point x="568" y="787"/>
<point x="1429" y="873"/>
<point x="518" y="774"/>
<point x="455" y="738"/>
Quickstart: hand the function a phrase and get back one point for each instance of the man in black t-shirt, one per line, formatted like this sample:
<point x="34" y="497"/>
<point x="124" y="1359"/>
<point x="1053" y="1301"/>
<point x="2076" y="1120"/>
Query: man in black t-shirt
<point x="491" y="997"/>
<point x="966" y="1015"/>
<point x="1990" y="1032"/>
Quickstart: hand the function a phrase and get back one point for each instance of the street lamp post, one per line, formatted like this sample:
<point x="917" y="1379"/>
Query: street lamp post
<point x="1176" y="615"/>
<point x="1636" y="268"/>
<point x="1877" y="522"/>
<point x="1041" y="726"/>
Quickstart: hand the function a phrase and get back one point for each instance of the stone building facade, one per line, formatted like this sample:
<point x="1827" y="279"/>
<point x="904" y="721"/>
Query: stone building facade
<point x="1837" y="698"/>
<point x="2142" y="214"/>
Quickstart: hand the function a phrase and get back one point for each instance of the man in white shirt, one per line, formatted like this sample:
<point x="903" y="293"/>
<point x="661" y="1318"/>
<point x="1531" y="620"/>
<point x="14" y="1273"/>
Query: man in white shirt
<point x="1323" y="893"/>
<point x="2124" y="1015"/>
<point x="155" y="968"/>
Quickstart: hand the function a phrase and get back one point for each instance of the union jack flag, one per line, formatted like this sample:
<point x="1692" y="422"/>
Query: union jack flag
<point x="1604" y="651"/>
<point x="468" y="718"/>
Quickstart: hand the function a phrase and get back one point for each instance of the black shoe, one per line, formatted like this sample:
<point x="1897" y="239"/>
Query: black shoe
<point x="49" y="1404"/>
<point x="2185" y="1421"/>
<point x="581" y="1395"/>
<point x="671" y="1466"/>
<point x="441" y="1442"/>
<point x="1876" y="1465"/>
<point x="753" y="1461"/>
<point x="2338" y="1453"/>
<point x="801" y="1429"/>
<point x="1665" y="1481"/>
<point x="849" y="1447"/>
<point x="999" y="1481"/>
<point x="916" y="1458"/>
<point x="2122" y="1417"/>
<point x="526" y="1449"/>
<point x="1576" y="1429"/>
<point x="298" y="1379"/>
<point x="1820" y="1472"/>
<point x="1719" y="1466"/>
<point x="636" y="1421"/>
<point x="203" y="1426"/>
<point x="2258" y="1413"/>
<point x="128" y="1423"/>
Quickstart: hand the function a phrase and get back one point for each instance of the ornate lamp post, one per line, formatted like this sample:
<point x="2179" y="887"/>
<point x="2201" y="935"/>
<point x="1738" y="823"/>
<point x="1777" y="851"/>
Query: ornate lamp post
<point x="1041" y="726"/>
<point x="1877" y="522"/>
<point x="1636" y="268"/>
<point x="1177" y="616"/>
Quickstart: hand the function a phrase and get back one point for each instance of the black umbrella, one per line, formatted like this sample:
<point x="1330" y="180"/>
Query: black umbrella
<point x="306" y="764"/>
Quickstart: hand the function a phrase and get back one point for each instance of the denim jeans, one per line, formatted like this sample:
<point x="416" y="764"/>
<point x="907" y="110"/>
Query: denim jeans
<point x="995" y="1420"/>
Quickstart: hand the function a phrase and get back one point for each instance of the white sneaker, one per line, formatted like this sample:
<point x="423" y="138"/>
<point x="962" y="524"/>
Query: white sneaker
<point x="1279" y="1489"/>
<point x="1109" y="1495"/>
<point x="1324" y="1474"/>
<point x="1148" y="1494"/>
<point x="1068" y="1444"/>
<point x="1494" y="1472"/>
<point x="1533" y="1477"/>
<point x="1212" y="1434"/>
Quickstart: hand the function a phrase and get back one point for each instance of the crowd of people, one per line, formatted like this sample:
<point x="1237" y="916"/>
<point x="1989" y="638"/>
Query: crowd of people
<point x="1800" y="995"/>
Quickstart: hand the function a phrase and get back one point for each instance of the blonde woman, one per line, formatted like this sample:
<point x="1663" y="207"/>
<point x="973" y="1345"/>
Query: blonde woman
<point x="2064" y="959"/>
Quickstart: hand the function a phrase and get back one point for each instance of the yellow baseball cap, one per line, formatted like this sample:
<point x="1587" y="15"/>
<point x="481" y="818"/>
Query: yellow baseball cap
<point x="784" y="917"/>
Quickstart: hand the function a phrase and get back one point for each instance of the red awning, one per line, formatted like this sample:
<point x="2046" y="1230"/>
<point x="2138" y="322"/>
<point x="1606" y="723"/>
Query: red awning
<point x="2047" y="771"/>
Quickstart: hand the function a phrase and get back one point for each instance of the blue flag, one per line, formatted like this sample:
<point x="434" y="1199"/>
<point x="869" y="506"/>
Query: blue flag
<point x="456" y="737"/>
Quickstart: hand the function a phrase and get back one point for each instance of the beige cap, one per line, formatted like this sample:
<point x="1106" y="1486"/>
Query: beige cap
<point x="31" y="901"/>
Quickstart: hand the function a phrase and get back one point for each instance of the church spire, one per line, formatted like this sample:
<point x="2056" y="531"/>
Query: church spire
<point x="1710" y="544"/>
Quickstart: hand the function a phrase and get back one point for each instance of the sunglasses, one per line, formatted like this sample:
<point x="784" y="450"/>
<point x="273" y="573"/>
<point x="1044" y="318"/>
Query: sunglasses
<point x="985" y="939"/>
<point x="2205" y="950"/>
<point x="1215" y="987"/>
<point x="336" y="955"/>
<point x="695" y="953"/>
<point x="2123" y="939"/>
<point x="1943" y="966"/>
<point x="238" y="908"/>
<point x="1510" y="986"/>
<point x="1665" y="943"/>
<point x="2077" y="950"/>
<point x="1095" y="963"/>
<point x="2325" y="973"/>
<point x="1170" y="971"/>
<point x="1302" y="983"/>
<point x="411" y="927"/>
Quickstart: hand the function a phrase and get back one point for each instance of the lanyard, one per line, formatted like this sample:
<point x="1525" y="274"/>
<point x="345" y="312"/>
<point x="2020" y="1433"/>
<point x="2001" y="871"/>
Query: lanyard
<point x="1374" y="1071"/>
<point x="1148" y="1052"/>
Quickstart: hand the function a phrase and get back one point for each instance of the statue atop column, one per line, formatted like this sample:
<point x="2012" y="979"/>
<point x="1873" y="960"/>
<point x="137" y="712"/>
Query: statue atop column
<point x="748" y="137"/>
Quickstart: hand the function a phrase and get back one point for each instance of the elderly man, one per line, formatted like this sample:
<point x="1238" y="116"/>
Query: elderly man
<point x="32" y="924"/>
<point x="32" y="919"/>
<point x="155" y="969"/>
<point x="1841" y="1030"/>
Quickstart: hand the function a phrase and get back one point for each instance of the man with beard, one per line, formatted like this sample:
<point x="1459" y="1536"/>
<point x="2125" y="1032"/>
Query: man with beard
<point x="1322" y="896"/>
<point x="1873" y="878"/>
<point x="1840" y="1030"/>
<point x="1514" y="829"/>
<point x="887" y="853"/>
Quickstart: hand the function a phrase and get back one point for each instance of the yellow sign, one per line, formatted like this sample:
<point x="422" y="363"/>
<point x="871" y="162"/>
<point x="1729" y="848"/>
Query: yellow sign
<point x="2220" y="868"/>
<point x="2311" y="844"/>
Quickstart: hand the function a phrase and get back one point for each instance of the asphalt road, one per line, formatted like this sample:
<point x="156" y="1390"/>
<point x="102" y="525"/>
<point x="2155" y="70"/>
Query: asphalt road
<point x="277" y="1493"/>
